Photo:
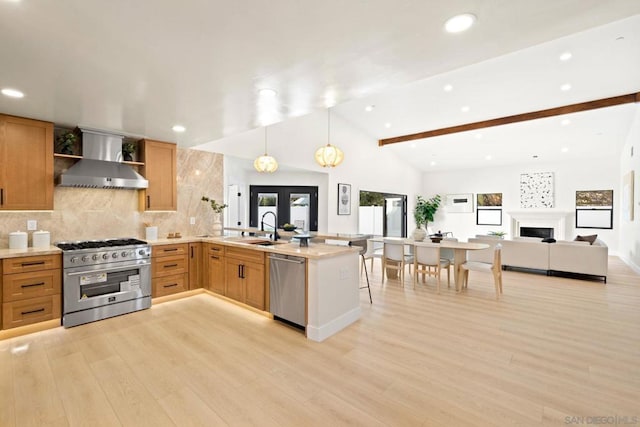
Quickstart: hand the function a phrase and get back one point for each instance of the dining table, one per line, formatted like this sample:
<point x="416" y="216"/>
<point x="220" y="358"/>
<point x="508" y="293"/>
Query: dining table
<point x="459" y="252"/>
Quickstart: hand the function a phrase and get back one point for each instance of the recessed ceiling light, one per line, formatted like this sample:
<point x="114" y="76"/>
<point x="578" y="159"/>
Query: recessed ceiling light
<point x="565" y="87"/>
<point x="433" y="163"/>
<point x="13" y="93"/>
<point x="413" y="145"/>
<point x="564" y="149"/>
<point x="565" y="122"/>
<point x="369" y="108"/>
<point x="267" y="92"/>
<point x="387" y="125"/>
<point x="465" y="109"/>
<point x="179" y="128"/>
<point x="565" y="56"/>
<point x="478" y="136"/>
<point x="459" y="23"/>
<point x="488" y="157"/>
<point x="448" y="88"/>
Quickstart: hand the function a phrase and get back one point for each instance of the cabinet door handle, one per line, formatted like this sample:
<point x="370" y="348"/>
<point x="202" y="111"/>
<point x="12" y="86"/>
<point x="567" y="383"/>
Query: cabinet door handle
<point x="173" y="285"/>
<point x="170" y="250"/>
<point x="191" y="251"/>
<point x="214" y="257"/>
<point x="32" y="285"/>
<point x="29" y="264"/>
<point x="148" y="202"/>
<point x="1" y="196"/>
<point x="40" y="310"/>
<point x="242" y="276"/>
<point x="215" y="249"/>
<point x="239" y="275"/>
<point x="170" y="265"/>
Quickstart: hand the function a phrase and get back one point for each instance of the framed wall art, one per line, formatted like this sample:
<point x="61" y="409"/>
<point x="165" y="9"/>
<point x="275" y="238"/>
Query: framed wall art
<point x="344" y="199"/>
<point x="459" y="202"/>
<point x="536" y="190"/>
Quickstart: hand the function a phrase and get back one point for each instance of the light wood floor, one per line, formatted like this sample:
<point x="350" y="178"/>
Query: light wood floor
<point x="552" y="348"/>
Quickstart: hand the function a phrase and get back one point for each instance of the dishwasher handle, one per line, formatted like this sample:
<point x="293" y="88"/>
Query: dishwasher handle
<point x="293" y="261"/>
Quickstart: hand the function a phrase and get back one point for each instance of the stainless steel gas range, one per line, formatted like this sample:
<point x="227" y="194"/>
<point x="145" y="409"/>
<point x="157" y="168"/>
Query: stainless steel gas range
<point x="104" y="278"/>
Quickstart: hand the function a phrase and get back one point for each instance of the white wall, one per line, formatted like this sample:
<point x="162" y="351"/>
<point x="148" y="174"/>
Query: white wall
<point x="568" y="177"/>
<point x="294" y="142"/>
<point x="629" y="247"/>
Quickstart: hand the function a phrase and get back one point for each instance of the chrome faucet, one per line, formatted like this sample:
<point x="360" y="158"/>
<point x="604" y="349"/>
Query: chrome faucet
<point x="275" y="234"/>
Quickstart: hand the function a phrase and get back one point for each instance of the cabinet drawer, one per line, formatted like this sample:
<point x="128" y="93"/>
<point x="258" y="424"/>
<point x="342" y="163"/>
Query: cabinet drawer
<point x="33" y="310"/>
<point x="216" y="249"/>
<point x="169" y="285"/>
<point x="170" y="265"/>
<point x="30" y="285"/>
<point x="30" y="263"/>
<point x="168" y="250"/>
<point x="245" y="255"/>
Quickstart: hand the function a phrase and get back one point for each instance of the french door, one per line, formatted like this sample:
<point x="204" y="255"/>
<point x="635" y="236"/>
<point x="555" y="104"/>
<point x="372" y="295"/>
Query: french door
<point x="297" y="205"/>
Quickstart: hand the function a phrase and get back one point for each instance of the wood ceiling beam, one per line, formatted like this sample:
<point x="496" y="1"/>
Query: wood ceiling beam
<point x="558" y="111"/>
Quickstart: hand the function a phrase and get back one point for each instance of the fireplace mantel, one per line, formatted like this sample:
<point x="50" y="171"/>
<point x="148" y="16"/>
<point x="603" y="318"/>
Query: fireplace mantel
<point x="551" y="218"/>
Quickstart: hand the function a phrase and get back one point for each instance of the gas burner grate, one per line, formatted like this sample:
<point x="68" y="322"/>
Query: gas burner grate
<point x="97" y="244"/>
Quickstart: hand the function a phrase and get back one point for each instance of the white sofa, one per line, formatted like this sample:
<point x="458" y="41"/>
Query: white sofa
<point x="559" y="257"/>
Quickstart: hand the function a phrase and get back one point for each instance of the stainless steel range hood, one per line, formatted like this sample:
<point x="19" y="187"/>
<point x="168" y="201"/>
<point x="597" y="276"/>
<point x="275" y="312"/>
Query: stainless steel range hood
<point x="101" y="165"/>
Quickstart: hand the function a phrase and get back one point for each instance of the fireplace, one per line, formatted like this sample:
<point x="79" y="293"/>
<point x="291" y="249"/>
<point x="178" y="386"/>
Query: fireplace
<point x="541" y="232"/>
<point x="553" y="219"/>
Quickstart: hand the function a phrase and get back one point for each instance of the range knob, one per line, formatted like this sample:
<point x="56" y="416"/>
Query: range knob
<point x="105" y="256"/>
<point x="142" y="252"/>
<point x="95" y="257"/>
<point x="74" y="259"/>
<point x="114" y="255"/>
<point x="85" y="258"/>
<point x="124" y="254"/>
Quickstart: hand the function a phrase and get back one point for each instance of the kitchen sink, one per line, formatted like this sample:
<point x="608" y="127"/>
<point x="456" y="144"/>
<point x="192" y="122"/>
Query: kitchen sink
<point x="263" y="242"/>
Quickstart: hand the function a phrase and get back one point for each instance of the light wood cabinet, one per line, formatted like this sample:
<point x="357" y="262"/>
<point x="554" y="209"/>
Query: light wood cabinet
<point x="195" y="265"/>
<point x="31" y="288"/>
<point x="245" y="276"/>
<point x="215" y="255"/>
<point x="26" y="164"/>
<point x="160" y="169"/>
<point x="169" y="269"/>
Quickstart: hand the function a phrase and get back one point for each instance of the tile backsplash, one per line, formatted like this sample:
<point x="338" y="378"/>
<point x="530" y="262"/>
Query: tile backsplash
<point x="81" y="214"/>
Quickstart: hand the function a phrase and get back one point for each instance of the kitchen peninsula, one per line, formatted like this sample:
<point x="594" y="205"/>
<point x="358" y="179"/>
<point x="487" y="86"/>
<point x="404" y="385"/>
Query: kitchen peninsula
<point x="332" y="280"/>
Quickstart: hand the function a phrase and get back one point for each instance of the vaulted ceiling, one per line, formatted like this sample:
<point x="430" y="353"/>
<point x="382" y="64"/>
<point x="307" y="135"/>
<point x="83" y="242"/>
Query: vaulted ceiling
<point x="143" y="66"/>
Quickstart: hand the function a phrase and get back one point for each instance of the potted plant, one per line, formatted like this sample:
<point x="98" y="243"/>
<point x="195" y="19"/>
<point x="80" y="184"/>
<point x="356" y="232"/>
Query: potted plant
<point x="499" y="234"/>
<point x="423" y="213"/>
<point x="217" y="210"/>
<point x="128" y="148"/>
<point x="65" y="142"/>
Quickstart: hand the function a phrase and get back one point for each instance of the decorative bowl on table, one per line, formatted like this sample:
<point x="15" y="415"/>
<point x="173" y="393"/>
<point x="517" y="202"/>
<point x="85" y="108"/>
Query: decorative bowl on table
<point x="435" y="238"/>
<point x="289" y="227"/>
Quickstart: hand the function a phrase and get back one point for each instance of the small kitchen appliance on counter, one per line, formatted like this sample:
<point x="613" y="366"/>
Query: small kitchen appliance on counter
<point x="18" y="240"/>
<point x="104" y="278"/>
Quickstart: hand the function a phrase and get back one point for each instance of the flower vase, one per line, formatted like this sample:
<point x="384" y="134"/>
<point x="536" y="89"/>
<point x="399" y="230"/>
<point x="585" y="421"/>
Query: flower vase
<point x="419" y="234"/>
<point x="217" y="225"/>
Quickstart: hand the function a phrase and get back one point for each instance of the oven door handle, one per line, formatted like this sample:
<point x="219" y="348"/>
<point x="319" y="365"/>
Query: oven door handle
<point x="102" y="270"/>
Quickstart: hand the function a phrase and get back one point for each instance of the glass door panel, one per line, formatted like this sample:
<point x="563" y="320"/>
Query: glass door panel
<point x="299" y="205"/>
<point x="267" y="202"/>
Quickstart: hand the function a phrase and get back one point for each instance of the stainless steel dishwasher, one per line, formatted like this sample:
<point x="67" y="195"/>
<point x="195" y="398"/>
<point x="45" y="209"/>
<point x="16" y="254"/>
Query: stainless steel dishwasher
<point x="287" y="288"/>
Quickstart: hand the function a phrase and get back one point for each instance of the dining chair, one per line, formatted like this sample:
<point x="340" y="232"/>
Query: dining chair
<point x="449" y="255"/>
<point x="428" y="261"/>
<point x="495" y="268"/>
<point x="394" y="257"/>
<point x="374" y="250"/>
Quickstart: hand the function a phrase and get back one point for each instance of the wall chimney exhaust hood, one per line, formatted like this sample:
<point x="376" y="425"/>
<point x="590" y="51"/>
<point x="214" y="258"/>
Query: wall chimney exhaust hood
<point x="101" y="164"/>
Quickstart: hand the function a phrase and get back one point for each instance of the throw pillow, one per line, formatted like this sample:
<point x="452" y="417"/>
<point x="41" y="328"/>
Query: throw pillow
<point x="549" y="240"/>
<point x="592" y="238"/>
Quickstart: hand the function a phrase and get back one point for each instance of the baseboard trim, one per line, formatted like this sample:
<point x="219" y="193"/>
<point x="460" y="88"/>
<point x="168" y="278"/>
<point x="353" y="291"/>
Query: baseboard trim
<point x="631" y="264"/>
<point x="321" y="333"/>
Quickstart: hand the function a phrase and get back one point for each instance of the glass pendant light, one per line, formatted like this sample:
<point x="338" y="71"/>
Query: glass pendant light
<point x="329" y="156"/>
<point x="265" y="163"/>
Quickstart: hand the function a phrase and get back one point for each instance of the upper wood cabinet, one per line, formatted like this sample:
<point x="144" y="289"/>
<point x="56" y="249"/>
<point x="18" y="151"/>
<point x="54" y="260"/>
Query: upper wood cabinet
<point x="26" y="164"/>
<point x="160" y="169"/>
